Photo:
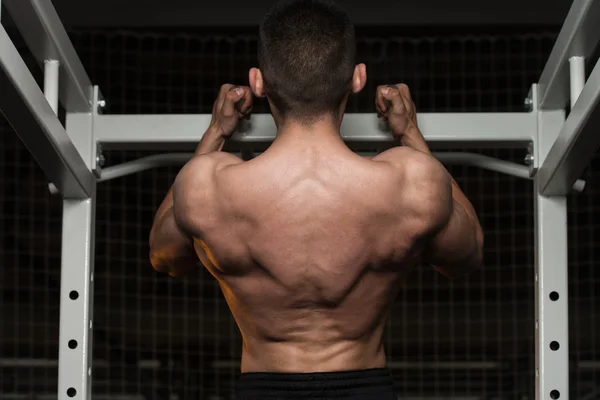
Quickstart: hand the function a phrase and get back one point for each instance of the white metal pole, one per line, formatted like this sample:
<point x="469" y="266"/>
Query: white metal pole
<point x="550" y="272"/>
<point x="77" y="275"/>
<point x="577" y="77"/>
<point x="51" y="70"/>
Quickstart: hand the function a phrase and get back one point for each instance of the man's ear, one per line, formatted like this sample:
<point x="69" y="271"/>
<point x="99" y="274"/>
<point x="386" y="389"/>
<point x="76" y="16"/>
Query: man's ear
<point x="359" y="78"/>
<point x="256" y="82"/>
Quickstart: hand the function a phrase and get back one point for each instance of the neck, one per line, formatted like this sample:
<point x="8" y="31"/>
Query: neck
<point x="323" y="130"/>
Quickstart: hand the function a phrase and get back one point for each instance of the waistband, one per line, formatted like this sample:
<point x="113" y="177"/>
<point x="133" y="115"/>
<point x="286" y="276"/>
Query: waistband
<point x="371" y="384"/>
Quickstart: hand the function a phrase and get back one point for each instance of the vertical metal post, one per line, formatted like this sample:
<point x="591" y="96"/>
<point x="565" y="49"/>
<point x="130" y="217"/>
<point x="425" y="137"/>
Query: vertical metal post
<point x="51" y="70"/>
<point x="77" y="275"/>
<point x="551" y="283"/>
<point x="577" y="77"/>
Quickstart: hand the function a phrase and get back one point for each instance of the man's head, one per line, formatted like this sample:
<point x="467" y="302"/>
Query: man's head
<point x="307" y="60"/>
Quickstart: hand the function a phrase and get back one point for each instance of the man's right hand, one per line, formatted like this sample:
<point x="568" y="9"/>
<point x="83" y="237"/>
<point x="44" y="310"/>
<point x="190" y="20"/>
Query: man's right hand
<point x="233" y="103"/>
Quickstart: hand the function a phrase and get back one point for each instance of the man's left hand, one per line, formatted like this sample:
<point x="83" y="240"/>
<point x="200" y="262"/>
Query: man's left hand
<point x="233" y="103"/>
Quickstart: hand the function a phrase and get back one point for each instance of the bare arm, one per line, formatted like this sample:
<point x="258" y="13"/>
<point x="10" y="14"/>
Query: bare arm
<point x="171" y="247"/>
<point x="452" y="239"/>
<point x="456" y="244"/>
<point x="463" y="217"/>
<point x="457" y="247"/>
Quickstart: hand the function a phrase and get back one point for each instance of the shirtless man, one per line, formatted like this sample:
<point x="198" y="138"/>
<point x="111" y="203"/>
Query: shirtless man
<point x="310" y="242"/>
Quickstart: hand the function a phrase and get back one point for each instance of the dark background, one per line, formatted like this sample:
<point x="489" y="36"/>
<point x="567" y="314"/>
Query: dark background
<point x="157" y="337"/>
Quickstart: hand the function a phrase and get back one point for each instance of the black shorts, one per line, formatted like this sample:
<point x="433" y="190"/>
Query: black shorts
<point x="371" y="384"/>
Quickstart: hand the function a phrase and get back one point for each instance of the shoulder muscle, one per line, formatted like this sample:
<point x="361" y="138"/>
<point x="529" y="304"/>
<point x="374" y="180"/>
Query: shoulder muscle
<point x="432" y="191"/>
<point x="194" y="185"/>
<point x="428" y="187"/>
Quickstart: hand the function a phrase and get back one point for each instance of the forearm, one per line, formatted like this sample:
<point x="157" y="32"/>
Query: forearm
<point x="413" y="138"/>
<point x="212" y="140"/>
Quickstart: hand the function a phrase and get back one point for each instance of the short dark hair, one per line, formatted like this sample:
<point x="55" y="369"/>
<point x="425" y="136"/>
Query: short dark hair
<point x="307" y="55"/>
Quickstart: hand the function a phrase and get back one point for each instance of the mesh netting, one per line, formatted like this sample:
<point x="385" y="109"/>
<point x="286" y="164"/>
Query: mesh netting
<point x="156" y="337"/>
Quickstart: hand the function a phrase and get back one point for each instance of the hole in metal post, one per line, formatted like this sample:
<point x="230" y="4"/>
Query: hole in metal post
<point x="555" y="394"/>
<point x="74" y="295"/>
<point x="71" y="392"/>
<point x="554" y="296"/>
<point x="554" y="345"/>
<point x="72" y="344"/>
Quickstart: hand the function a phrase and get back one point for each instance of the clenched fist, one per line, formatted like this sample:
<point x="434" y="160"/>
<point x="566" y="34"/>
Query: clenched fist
<point x="233" y="103"/>
<point x="394" y="104"/>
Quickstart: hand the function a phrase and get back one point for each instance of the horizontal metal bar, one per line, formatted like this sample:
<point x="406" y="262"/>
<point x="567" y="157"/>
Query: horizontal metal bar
<point x="471" y="159"/>
<point x="47" y="38"/>
<point x="484" y="162"/>
<point x="53" y="363"/>
<point x="52" y="396"/>
<point x="26" y="109"/>
<point x="154" y="364"/>
<point x="579" y="36"/>
<point x="576" y="143"/>
<point x="588" y="365"/>
<point x="360" y="130"/>
<point x="412" y="365"/>
<point x="144" y="164"/>
<point x="494" y="164"/>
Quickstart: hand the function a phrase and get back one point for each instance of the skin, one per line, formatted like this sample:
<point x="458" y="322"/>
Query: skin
<point x="310" y="242"/>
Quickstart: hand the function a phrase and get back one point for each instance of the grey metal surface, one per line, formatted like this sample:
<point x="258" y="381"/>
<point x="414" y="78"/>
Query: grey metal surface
<point x="551" y="276"/>
<point x="46" y="37"/>
<point x="77" y="276"/>
<point x="359" y="130"/>
<point x="52" y="83"/>
<point x="75" y="355"/>
<point x="576" y="77"/>
<point x="552" y="323"/>
<point x="494" y="164"/>
<point x="576" y="143"/>
<point x="579" y="36"/>
<point x="26" y="109"/>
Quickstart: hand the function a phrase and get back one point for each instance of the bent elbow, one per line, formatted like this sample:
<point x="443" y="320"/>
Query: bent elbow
<point x="154" y="254"/>
<point x="157" y="260"/>
<point x="152" y="238"/>
<point x="478" y="251"/>
<point x="475" y="259"/>
<point x="472" y="262"/>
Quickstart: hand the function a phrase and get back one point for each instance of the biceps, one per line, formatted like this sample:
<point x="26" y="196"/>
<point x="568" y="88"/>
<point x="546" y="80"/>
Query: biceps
<point x="455" y="249"/>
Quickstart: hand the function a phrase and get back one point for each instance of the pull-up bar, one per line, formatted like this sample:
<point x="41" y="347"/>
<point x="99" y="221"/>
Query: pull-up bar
<point x="449" y="158"/>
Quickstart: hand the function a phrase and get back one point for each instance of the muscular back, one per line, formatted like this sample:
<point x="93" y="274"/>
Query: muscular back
<point x="309" y="249"/>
